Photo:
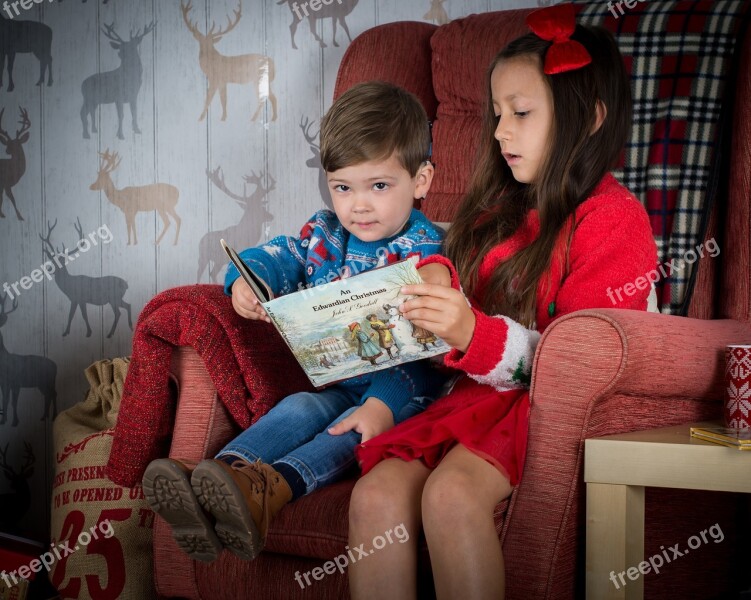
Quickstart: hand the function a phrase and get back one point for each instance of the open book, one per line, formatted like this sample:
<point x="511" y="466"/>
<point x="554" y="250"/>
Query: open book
<point x="348" y="327"/>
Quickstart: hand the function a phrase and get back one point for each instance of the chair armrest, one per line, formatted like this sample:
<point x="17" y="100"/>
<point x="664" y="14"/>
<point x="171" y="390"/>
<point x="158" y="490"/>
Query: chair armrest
<point x="202" y="427"/>
<point x="631" y="352"/>
<point x="202" y="424"/>
<point x="598" y="372"/>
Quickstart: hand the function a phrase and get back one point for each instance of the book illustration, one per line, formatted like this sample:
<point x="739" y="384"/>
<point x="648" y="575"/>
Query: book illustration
<point x="341" y="329"/>
<point x="348" y="327"/>
<point x="403" y="330"/>
<point x="366" y="349"/>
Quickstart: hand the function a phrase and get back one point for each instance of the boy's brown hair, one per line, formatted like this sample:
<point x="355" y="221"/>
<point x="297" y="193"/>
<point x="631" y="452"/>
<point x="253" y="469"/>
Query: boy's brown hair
<point x="372" y="121"/>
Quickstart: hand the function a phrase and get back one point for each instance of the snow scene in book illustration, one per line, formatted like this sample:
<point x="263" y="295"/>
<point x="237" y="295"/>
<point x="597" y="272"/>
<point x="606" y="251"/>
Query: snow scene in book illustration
<point x="366" y="344"/>
<point x="360" y="332"/>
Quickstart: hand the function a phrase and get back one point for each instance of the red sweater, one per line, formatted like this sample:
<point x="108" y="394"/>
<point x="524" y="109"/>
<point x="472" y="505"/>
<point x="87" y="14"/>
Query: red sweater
<point x="612" y="246"/>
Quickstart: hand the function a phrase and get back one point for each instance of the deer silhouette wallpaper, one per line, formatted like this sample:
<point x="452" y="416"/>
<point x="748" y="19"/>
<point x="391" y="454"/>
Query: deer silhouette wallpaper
<point x="134" y="135"/>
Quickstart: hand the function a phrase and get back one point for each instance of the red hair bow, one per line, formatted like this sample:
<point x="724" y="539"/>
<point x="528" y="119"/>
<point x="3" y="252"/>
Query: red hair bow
<point x="556" y="24"/>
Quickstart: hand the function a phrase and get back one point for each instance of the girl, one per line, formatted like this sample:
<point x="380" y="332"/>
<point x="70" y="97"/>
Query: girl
<point x="544" y="230"/>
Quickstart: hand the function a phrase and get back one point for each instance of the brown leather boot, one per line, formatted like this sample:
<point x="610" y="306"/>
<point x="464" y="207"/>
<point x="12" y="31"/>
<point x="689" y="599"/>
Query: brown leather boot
<point x="243" y="498"/>
<point x="166" y="485"/>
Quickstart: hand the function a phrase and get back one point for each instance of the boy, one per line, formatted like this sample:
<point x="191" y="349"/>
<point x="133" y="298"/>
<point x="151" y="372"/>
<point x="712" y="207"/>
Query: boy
<point x="375" y="144"/>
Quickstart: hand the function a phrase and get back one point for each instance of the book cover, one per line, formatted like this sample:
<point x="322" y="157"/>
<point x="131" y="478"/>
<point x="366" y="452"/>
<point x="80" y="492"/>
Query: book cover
<point x="257" y="284"/>
<point x="348" y="327"/>
<point x="727" y="436"/>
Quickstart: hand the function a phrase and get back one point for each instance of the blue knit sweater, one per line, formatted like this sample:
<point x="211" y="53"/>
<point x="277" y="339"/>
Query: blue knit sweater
<point x="325" y="251"/>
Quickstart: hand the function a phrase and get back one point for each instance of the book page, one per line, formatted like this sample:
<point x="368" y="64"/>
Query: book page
<point x="353" y="326"/>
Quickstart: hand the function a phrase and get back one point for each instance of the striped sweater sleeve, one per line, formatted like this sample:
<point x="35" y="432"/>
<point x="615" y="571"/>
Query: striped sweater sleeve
<point x="279" y="262"/>
<point x="396" y="386"/>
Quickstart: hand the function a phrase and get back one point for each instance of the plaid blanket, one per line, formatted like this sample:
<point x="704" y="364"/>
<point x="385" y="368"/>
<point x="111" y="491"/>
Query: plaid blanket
<point x="680" y="55"/>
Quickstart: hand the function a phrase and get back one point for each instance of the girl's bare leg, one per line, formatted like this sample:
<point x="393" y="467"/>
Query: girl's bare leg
<point x="387" y="497"/>
<point x="457" y="511"/>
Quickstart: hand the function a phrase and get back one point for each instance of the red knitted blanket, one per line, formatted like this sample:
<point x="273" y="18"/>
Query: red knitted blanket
<point x="241" y="356"/>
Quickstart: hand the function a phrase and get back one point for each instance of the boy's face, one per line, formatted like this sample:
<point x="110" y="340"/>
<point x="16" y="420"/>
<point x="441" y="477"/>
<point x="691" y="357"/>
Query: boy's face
<point x="373" y="200"/>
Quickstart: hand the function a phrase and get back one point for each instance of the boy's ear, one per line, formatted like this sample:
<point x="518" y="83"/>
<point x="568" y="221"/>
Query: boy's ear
<point x="601" y="112"/>
<point x="423" y="179"/>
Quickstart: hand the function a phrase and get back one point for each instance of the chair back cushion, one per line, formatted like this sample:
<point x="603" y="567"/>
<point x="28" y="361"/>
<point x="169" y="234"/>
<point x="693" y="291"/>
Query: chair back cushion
<point x="680" y="56"/>
<point x="669" y="160"/>
<point x="396" y="52"/>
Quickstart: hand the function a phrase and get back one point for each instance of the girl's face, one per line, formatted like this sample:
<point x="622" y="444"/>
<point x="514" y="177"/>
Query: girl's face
<point x="523" y="105"/>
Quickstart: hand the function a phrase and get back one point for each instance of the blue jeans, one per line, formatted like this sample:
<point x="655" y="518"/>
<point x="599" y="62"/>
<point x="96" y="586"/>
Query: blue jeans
<point x="294" y="432"/>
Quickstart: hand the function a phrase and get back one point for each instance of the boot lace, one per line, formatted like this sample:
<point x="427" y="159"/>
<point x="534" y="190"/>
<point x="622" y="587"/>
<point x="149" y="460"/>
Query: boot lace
<point x="257" y="476"/>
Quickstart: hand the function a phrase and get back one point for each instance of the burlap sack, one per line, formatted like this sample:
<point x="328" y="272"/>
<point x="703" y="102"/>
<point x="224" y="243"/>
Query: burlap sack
<point x="101" y="532"/>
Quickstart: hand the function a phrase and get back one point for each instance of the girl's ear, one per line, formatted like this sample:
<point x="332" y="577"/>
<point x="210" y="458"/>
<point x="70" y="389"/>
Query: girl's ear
<point x="601" y="112"/>
<point x="423" y="179"/>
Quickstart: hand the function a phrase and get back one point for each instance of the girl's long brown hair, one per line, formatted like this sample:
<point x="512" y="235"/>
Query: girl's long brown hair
<point x="496" y="204"/>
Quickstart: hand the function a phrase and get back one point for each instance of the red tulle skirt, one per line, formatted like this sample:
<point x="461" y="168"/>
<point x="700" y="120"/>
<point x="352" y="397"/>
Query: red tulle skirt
<point x="490" y="423"/>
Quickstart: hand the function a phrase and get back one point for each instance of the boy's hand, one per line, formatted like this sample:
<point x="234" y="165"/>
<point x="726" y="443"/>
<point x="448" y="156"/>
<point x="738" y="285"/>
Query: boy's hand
<point x="370" y="419"/>
<point x="245" y="303"/>
<point x="442" y="310"/>
<point x="435" y="273"/>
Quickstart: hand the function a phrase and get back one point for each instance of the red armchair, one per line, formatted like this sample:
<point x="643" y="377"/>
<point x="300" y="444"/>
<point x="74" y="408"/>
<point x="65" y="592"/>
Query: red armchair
<point x="596" y="372"/>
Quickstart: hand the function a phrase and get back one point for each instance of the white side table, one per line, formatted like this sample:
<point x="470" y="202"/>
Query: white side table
<point x="617" y="468"/>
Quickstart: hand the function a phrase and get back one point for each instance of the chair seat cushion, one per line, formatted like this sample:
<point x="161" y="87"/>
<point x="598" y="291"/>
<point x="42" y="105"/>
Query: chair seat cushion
<point x="316" y="525"/>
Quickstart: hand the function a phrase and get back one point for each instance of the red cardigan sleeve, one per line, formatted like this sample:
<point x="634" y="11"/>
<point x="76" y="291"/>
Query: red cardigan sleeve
<point x="442" y="260"/>
<point x="501" y="351"/>
<point x="612" y="251"/>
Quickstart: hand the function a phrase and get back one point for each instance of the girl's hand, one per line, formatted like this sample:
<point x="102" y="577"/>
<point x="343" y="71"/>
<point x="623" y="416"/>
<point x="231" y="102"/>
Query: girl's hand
<point x="435" y="273"/>
<point x="442" y="310"/>
<point x="245" y="303"/>
<point x="370" y="419"/>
